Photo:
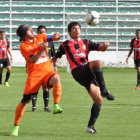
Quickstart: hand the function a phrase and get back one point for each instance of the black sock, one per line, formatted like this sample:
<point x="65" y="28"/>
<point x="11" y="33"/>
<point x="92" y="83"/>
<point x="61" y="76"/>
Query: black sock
<point x="7" y="76"/>
<point x="34" y="99"/>
<point x="99" y="77"/>
<point x="0" y="78"/>
<point x="46" y="98"/>
<point x="138" y="78"/>
<point x="95" y="110"/>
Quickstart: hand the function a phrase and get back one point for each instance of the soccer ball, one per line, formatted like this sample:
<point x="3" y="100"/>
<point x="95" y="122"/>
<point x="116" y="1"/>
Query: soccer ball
<point x="93" y="18"/>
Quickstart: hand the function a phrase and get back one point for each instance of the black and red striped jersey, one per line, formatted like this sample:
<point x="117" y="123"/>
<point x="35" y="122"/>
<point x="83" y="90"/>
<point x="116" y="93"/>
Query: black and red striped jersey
<point x="76" y="52"/>
<point x="4" y="45"/>
<point x="135" y="44"/>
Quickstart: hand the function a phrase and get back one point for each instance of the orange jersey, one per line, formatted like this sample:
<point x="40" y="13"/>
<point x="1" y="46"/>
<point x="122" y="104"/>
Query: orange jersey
<point x="43" y="64"/>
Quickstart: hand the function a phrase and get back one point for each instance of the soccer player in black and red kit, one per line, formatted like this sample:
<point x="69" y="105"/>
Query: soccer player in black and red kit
<point x="4" y="59"/>
<point x="88" y="74"/>
<point x="135" y="45"/>
<point x="51" y="51"/>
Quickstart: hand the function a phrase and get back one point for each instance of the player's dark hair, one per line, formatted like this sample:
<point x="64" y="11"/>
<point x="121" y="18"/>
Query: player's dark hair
<point x="21" y="31"/>
<point x="2" y="31"/>
<point x="41" y="27"/>
<point x="72" y="24"/>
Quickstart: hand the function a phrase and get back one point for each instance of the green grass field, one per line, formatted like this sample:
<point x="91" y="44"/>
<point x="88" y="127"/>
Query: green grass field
<point x="118" y="120"/>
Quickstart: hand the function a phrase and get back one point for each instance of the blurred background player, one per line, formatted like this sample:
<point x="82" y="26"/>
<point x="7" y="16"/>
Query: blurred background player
<point x="4" y="59"/>
<point x="88" y="74"/>
<point x="51" y="52"/>
<point x="135" y="45"/>
<point x="40" y="71"/>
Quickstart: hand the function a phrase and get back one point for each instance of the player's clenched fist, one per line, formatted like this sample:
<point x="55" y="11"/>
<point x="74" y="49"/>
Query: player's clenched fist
<point x="56" y="36"/>
<point x="105" y="46"/>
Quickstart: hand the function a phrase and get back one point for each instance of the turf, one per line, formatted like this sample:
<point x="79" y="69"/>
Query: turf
<point x="118" y="120"/>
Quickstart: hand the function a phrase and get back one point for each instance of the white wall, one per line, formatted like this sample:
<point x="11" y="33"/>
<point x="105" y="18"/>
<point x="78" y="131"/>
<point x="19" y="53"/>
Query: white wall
<point x="18" y="59"/>
<point x="109" y="58"/>
<point x="112" y="58"/>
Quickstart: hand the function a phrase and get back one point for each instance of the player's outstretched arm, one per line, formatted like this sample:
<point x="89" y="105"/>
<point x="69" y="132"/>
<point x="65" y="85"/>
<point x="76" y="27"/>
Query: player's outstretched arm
<point x="105" y="46"/>
<point x="56" y="36"/>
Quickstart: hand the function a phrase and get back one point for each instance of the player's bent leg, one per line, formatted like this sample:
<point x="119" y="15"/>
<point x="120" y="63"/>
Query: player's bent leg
<point x="95" y="110"/>
<point x="57" y="90"/>
<point x="95" y="64"/>
<point x="96" y="68"/>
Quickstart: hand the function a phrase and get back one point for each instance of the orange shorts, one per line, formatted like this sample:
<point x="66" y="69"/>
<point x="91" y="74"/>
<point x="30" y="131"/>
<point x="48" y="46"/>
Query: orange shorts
<point x="34" y="83"/>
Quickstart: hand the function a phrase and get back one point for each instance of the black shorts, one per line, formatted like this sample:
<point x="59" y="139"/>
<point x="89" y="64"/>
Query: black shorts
<point x="4" y="63"/>
<point x="84" y="76"/>
<point x="137" y="63"/>
<point x="27" y="98"/>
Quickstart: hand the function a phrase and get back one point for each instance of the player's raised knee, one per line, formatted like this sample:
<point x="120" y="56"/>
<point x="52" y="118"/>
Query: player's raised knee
<point x="99" y="100"/>
<point x="99" y="63"/>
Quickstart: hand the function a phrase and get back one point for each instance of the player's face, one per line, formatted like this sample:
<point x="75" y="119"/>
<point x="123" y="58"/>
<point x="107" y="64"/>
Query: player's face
<point x="2" y="35"/>
<point x="75" y="32"/>
<point x="138" y="34"/>
<point x="30" y="33"/>
<point x="42" y="31"/>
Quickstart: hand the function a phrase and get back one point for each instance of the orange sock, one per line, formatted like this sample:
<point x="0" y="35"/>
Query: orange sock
<point x="19" y="113"/>
<point x="57" y="89"/>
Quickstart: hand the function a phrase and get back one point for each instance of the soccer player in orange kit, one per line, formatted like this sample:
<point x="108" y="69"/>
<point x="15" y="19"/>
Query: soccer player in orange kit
<point x="40" y="71"/>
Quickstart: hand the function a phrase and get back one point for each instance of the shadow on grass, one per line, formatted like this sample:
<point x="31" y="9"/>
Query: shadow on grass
<point x="9" y="110"/>
<point x="45" y="134"/>
<point x="4" y="133"/>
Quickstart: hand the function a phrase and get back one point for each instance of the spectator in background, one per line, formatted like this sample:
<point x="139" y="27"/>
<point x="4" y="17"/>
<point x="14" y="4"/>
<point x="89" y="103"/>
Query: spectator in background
<point x="51" y="52"/>
<point x="4" y="59"/>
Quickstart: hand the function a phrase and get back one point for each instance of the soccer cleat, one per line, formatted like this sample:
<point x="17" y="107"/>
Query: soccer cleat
<point x="46" y="109"/>
<point x="107" y="95"/>
<point x="34" y="109"/>
<point x="91" y="130"/>
<point x="1" y="85"/>
<point x="15" y="131"/>
<point x="57" y="109"/>
<point x="137" y="86"/>
<point x="6" y="84"/>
